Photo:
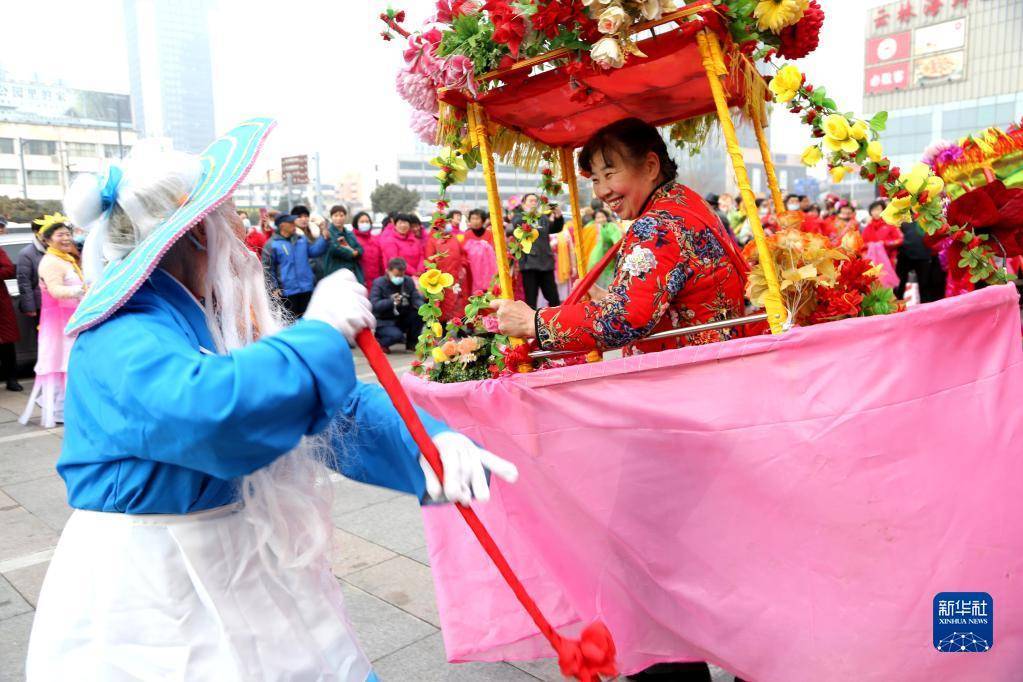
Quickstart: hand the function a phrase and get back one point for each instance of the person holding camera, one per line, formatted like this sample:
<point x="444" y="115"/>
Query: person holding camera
<point x="396" y="302"/>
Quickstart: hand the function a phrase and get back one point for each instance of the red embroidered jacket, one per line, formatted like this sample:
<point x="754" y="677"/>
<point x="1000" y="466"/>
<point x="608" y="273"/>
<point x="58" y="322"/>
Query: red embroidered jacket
<point x="676" y="268"/>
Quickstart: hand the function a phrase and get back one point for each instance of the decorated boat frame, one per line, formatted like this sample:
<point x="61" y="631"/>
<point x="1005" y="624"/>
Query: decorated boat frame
<point x="685" y="77"/>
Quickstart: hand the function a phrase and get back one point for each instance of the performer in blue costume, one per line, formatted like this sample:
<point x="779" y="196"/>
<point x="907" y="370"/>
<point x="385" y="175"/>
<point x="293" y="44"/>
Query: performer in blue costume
<point x="197" y="430"/>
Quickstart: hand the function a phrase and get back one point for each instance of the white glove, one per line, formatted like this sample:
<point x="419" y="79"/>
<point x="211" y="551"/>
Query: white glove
<point x="465" y="467"/>
<point x="340" y="301"/>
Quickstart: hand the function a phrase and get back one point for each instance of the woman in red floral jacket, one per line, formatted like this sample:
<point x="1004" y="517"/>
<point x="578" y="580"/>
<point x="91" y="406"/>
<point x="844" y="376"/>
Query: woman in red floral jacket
<point x="676" y="267"/>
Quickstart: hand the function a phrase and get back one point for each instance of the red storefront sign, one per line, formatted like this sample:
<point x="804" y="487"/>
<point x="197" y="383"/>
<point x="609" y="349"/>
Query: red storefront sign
<point x="887" y="78"/>
<point x="891" y="48"/>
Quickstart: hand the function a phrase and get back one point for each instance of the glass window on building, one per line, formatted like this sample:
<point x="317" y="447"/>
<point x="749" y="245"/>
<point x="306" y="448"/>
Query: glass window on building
<point x="6" y="145"/>
<point x="40" y="147"/>
<point x="42" y="177"/>
<point x="8" y="176"/>
<point x="81" y="149"/>
<point x="113" y="151"/>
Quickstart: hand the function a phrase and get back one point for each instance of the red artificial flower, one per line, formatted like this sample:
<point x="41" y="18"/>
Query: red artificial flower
<point x="835" y="303"/>
<point x="400" y="16"/>
<point x="509" y="25"/>
<point x="552" y="15"/>
<point x="802" y="38"/>
<point x="448" y="10"/>
<point x="516" y="355"/>
<point x="385" y="35"/>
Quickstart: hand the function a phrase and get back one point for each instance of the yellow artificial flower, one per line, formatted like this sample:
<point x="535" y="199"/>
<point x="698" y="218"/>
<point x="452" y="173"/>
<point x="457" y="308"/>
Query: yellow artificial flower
<point x="812" y="156"/>
<point x="934" y="186"/>
<point x="439" y="356"/>
<point x="838" y="173"/>
<point x="858" y="130"/>
<point x="874" y="151"/>
<point x="838" y="135"/>
<point x="526" y="238"/>
<point x="774" y="15"/>
<point x="897" y="212"/>
<point x="786" y="83"/>
<point x="450" y="159"/>
<point x="437" y="329"/>
<point x="916" y="179"/>
<point x="433" y="281"/>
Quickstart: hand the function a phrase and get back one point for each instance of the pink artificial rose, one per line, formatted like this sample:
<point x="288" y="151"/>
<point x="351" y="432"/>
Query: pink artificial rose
<point x="450" y="348"/>
<point x="421" y="53"/>
<point x="418" y="90"/>
<point x="458" y="73"/>
<point x="491" y="324"/>
<point x="424" y="125"/>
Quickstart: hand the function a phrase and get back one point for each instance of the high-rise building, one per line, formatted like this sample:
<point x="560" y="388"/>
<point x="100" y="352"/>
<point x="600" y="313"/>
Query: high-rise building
<point x="169" y="70"/>
<point x="943" y="69"/>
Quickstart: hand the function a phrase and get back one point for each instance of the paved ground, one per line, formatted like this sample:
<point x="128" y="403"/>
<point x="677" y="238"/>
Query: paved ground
<point x="381" y="561"/>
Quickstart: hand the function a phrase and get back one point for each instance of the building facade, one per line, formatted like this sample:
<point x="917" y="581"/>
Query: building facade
<point x="943" y="69"/>
<point x="49" y="133"/>
<point x="169" y="70"/>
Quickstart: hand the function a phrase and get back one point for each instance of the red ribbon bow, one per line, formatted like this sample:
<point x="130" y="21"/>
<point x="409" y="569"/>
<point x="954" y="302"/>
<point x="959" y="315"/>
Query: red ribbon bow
<point x="588" y="657"/>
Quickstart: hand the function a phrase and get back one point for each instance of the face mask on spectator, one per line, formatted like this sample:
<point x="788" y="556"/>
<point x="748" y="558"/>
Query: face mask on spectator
<point x="396" y="281"/>
<point x="365" y="227"/>
<point x="792" y="206"/>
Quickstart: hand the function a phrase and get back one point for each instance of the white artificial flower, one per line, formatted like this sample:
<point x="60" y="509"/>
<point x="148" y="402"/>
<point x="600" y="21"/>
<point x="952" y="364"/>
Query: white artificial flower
<point x="607" y="53"/>
<point x="668" y="6"/>
<point x="611" y="20"/>
<point x="640" y="261"/>
<point x="650" y="9"/>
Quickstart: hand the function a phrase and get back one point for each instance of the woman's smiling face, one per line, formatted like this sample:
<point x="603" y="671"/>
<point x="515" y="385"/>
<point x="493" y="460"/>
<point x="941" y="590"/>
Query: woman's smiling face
<point x="624" y="186"/>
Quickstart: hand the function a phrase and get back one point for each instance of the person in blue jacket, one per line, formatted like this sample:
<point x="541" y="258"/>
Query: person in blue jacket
<point x="198" y="434"/>
<point x="286" y="260"/>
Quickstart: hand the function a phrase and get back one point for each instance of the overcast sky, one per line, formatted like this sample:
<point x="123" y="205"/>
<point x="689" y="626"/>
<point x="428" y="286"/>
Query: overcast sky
<point x="322" y="70"/>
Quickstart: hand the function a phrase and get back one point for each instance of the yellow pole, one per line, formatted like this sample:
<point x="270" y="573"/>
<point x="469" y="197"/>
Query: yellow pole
<point x="568" y="172"/>
<point x="477" y="121"/>
<point x="765" y="154"/>
<point x="775" y="308"/>
<point x="481" y="137"/>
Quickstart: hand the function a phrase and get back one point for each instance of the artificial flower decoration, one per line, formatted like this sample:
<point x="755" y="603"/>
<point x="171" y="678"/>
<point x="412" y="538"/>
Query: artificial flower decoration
<point x="437" y="329"/>
<point x="897" y="211"/>
<point x="611" y="20"/>
<point x="786" y="83"/>
<point x="433" y="281"/>
<point x="774" y="15"/>
<point x="439" y="356"/>
<point x="858" y="130"/>
<point x="811" y="156"/>
<point x="800" y="39"/>
<point x="607" y="53"/>
<point x="526" y="236"/>
<point x="838" y="173"/>
<point x="875" y="152"/>
<point x="838" y="135"/>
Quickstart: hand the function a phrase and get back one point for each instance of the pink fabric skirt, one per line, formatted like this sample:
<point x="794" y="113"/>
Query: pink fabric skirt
<point x="51" y="361"/>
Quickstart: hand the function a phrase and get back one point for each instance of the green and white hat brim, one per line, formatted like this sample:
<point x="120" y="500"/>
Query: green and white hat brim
<point x="225" y="164"/>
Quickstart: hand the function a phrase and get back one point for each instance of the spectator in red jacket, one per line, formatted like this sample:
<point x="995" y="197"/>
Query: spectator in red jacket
<point x="369" y="238"/>
<point x="9" y="334"/>
<point x="877" y="230"/>
<point x="258" y="235"/>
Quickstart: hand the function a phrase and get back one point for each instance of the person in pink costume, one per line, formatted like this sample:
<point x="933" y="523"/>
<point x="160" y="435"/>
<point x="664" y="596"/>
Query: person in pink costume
<point x="479" y="251"/>
<point x="62" y="285"/>
<point x="369" y="239"/>
<point x="402" y="242"/>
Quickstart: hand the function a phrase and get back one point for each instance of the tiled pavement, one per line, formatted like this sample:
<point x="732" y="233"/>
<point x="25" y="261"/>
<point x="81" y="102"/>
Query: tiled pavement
<point x="381" y="561"/>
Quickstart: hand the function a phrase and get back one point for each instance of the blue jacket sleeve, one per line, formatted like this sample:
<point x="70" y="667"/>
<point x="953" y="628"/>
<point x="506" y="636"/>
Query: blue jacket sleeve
<point x="372" y="444"/>
<point x="318" y="247"/>
<point x="161" y="399"/>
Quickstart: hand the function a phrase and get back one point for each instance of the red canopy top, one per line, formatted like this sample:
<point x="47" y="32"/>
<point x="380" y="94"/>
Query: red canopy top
<point x="666" y="86"/>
